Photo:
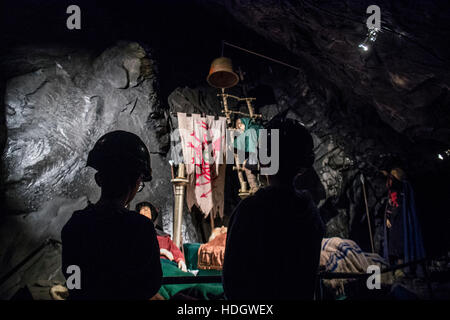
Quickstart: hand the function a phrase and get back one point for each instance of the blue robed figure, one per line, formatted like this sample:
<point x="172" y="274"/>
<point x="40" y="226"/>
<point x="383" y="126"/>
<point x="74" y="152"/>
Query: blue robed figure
<point x="403" y="241"/>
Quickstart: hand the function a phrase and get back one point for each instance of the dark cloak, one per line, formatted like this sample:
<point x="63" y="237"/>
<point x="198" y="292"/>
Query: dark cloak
<point x="413" y="248"/>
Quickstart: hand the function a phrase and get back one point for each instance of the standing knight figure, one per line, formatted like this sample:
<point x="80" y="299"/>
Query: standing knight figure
<point x="402" y="234"/>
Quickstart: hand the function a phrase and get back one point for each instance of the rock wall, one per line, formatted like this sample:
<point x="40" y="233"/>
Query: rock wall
<point x="58" y="101"/>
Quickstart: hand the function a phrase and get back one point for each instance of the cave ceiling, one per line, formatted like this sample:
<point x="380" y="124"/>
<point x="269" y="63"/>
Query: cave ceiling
<point x="404" y="76"/>
<point x="400" y="84"/>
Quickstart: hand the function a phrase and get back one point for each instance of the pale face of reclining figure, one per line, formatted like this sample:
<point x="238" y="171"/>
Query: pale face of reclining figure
<point x="146" y="211"/>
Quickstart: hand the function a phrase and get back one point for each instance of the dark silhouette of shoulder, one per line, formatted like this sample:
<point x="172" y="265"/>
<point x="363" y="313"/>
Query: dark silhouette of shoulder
<point x="117" y="252"/>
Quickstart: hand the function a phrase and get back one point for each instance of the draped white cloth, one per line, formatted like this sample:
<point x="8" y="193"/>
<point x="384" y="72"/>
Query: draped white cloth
<point x="203" y="145"/>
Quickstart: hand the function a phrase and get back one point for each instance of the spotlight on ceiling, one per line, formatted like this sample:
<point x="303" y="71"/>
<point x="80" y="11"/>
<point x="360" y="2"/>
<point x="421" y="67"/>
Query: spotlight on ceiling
<point x="363" y="46"/>
<point x="444" y="155"/>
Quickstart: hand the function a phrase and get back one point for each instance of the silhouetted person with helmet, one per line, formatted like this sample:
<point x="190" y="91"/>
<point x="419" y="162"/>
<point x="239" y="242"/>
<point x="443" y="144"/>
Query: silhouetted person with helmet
<point x="274" y="237"/>
<point x="115" y="249"/>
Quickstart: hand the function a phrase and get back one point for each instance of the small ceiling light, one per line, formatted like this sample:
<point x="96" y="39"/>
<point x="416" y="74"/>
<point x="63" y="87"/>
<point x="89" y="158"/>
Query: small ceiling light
<point x="363" y="46"/>
<point x="371" y="37"/>
<point x="444" y="155"/>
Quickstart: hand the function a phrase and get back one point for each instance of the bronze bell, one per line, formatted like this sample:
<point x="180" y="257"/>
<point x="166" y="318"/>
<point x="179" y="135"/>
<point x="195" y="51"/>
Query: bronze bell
<point x="221" y="74"/>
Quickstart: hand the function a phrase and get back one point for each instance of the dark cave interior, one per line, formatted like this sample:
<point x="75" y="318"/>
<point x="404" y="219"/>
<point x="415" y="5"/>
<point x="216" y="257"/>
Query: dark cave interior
<point x="367" y="112"/>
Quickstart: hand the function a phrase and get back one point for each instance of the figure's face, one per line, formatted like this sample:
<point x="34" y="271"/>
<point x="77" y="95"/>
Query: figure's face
<point x="240" y="125"/>
<point x="145" y="211"/>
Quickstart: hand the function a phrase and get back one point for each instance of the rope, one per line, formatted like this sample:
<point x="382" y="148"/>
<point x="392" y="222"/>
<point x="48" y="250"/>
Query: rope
<point x="262" y="56"/>
<point x="218" y="279"/>
<point x="322" y="275"/>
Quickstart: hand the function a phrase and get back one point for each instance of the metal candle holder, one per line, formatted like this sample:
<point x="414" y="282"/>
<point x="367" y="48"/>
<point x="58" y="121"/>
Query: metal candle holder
<point x="179" y="183"/>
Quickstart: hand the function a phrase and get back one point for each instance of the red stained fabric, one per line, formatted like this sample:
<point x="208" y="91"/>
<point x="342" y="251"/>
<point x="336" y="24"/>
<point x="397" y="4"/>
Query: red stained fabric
<point x="166" y="243"/>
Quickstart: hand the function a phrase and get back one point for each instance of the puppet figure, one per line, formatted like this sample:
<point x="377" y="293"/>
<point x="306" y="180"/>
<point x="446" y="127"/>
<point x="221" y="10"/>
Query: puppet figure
<point x="168" y="249"/>
<point x="402" y="235"/>
<point x="248" y="142"/>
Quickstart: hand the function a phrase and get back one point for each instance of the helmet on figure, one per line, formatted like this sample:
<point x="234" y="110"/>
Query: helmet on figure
<point x="121" y="150"/>
<point x="296" y="146"/>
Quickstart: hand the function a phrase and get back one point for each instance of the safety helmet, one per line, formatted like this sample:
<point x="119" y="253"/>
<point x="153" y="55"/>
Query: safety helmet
<point x="296" y="145"/>
<point x="121" y="150"/>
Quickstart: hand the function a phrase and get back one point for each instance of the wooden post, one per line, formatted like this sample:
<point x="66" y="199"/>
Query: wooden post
<point x="250" y="107"/>
<point x="226" y="111"/>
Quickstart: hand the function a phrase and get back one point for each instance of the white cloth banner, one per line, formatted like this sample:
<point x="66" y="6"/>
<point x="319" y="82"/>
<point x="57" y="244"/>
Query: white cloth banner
<point x="203" y="145"/>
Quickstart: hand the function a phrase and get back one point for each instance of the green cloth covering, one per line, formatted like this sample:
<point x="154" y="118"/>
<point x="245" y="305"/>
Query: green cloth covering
<point x="248" y="140"/>
<point x="206" y="291"/>
<point x="191" y="255"/>
<point x="210" y="272"/>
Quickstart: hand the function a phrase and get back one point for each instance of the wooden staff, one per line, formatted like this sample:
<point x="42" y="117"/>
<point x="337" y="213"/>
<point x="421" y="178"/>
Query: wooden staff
<point x="367" y="213"/>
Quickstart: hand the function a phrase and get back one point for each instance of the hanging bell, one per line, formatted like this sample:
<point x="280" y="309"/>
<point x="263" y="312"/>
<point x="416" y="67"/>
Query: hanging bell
<point x="221" y="74"/>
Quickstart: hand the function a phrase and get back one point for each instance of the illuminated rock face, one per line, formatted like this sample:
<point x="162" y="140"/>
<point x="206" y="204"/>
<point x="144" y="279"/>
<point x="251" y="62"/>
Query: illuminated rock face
<point x="58" y="102"/>
<point x="57" y="110"/>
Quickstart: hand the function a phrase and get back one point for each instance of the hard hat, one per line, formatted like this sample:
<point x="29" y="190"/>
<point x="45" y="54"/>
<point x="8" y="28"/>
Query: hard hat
<point x="121" y="150"/>
<point x="295" y="141"/>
